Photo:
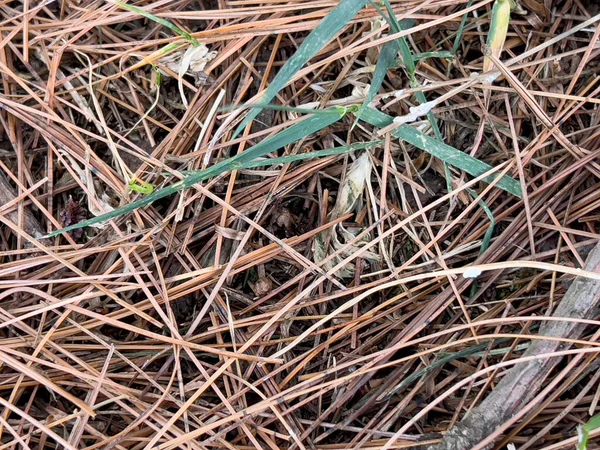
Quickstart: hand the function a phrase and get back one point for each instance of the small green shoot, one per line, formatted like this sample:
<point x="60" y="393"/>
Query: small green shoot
<point x="461" y="30"/>
<point x="485" y="243"/>
<point x="585" y="430"/>
<point x="190" y="53"/>
<point x="140" y="186"/>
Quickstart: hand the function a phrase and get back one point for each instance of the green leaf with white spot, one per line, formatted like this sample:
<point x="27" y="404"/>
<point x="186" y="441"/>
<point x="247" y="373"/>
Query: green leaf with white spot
<point x="444" y="152"/>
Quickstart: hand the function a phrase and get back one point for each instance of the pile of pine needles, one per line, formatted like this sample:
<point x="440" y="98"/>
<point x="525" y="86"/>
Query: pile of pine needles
<point x="269" y="258"/>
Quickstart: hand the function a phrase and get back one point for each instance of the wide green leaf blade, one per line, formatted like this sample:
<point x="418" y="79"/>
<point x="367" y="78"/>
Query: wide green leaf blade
<point x="446" y="153"/>
<point x="331" y="25"/>
<point x="454" y="157"/>
<point x="585" y="430"/>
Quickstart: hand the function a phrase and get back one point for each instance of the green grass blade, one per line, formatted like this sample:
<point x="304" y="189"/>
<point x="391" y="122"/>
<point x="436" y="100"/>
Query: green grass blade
<point x="444" y="54"/>
<point x="384" y="62"/>
<point x="329" y="27"/>
<point x="300" y="157"/>
<point x="593" y="423"/>
<point x="399" y="62"/>
<point x="444" y="152"/>
<point x="461" y="29"/>
<point x="288" y="136"/>
<point x="165" y="23"/>
<point x="440" y="363"/>
<point x="585" y="430"/>
<point x="454" y="157"/>
<point x="485" y="243"/>
<point x="294" y="109"/>
<point x="376" y="118"/>
<point x="405" y="52"/>
<point x="311" y="155"/>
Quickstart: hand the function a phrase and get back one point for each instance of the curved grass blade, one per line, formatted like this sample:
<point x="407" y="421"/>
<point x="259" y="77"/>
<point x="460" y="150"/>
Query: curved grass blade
<point x="441" y="362"/>
<point x="288" y="136"/>
<point x="165" y="23"/>
<point x="331" y="25"/>
<point x="446" y="153"/>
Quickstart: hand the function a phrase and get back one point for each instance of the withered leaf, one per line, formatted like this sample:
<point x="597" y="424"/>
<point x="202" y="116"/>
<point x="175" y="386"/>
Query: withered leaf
<point x="71" y="214"/>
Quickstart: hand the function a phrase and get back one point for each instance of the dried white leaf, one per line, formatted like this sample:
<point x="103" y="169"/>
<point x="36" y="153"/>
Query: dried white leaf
<point x="354" y="185"/>
<point x="415" y="112"/>
<point x="377" y="24"/>
<point x="193" y="60"/>
<point x="318" y="88"/>
<point x="198" y="58"/>
<point x="360" y="90"/>
<point x="338" y="237"/>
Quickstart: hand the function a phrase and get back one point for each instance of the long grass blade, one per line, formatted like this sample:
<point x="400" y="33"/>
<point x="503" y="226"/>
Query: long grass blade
<point x="238" y="162"/>
<point x="311" y="155"/>
<point x="468" y="352"/>
<point x="314" y="42"/>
